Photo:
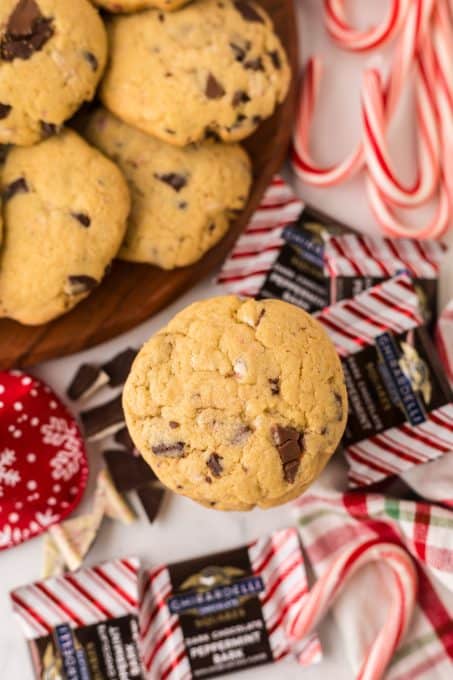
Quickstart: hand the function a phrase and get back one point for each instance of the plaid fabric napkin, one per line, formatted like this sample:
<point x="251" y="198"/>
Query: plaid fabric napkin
<point x="330" y="521"/>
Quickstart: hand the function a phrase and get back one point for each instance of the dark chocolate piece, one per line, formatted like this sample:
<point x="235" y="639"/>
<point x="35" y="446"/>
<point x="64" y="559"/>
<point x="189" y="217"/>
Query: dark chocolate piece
<point x="248" y="12"/>
<point x="19" y="186"/>
<point x="128" y="472"/>
<point x="254" y="64"/>
<point x="104" y="420"/>
<point x="173" y="450"/>
<point x="27" y="31"/>
<point x="91" y="59"/>
<point x="275" y="58"/>
<point x="80" y="283"/>
<point x="5" y="110"/>
<point x="214" y="463"/>
<point x="214" y="89"/>
<point x="275" y="385"/>
<point x="86" y="381"/>
<point x="290" y="446"/>
<point x="151" y="498"/>
<point x="118" y="368"/>
<point x="49" y="129"/>
<point x="174" y="424"/>
<point x="175" y="181"/>
<point x="239" y="52"/>
<point x="240" y="97"/>
<point x="84" y="219"/>
<point x="123" y="438"/>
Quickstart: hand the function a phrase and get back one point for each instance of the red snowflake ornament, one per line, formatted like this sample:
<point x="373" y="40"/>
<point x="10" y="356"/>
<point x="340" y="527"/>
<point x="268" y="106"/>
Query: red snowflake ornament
<point x="43" y="463"/>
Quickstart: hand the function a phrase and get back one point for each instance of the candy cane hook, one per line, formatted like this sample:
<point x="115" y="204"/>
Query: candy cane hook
<point x="328" y="587"/>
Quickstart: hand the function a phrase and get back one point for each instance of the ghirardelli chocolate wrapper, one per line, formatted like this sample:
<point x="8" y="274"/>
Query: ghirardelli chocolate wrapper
<point x="226" y="612"/>
<point x="303" y="256"/>
<point x="84" y="625"/>
<point x="400" y="402"/>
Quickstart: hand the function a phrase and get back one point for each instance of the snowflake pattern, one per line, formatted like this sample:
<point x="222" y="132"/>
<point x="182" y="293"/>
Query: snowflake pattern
<point x="67" y="461"/>
<point x="8" y="475"/>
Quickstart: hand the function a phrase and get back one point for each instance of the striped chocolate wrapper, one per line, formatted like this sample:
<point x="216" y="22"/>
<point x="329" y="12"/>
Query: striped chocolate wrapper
<point x="400" y="403"/>
<point x="85" y="624"/>
<point x="301" y="255"/>
<point x="225" y="612"/>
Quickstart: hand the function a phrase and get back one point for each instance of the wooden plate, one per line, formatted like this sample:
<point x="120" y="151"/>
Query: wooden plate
<point x="132" y="293"/>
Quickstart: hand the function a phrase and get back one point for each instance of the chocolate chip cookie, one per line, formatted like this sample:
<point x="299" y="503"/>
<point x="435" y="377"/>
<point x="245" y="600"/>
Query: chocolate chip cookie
<point x="52" y="55"/>
<point x="214" y="68"/>
<point x="182" y="199"/>
<point x="125" y="6"/>
<point x="237" y="403"/>
<point x="64" y="211"/>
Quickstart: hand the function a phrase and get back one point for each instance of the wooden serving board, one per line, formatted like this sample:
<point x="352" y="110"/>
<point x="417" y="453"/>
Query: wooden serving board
<point x="131" y="293"/>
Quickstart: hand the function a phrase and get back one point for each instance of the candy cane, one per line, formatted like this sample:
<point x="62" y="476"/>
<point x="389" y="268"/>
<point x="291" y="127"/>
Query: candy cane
<point x="328" y="587"/>
<point x="303" y="164"/>
<point x="352" y="39"/>
<point x="425" y="48"/>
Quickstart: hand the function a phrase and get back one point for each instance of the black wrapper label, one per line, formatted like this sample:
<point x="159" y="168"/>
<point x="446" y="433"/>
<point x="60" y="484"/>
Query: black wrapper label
<point x="296" y="279"/>
<point x="217" y="601"/>
<point x="107" y="650"/>
<point x="397" y="380"/>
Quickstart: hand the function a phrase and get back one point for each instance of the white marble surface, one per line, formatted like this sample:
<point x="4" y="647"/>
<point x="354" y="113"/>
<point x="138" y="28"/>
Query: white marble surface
<point x="184" y="529"/>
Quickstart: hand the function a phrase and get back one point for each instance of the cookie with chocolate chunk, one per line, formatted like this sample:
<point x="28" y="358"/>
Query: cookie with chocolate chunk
<point x="64" y="208"/>
<point x="52" y="56"/>
<point x="237" y="403"/>
<point x="212" y="69"/>
<point x="182" y="199"/>
<point x="126" y="6"/>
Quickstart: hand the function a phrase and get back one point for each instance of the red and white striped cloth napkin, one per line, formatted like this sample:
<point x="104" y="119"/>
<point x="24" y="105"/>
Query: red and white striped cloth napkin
<point x="331" y="522"/>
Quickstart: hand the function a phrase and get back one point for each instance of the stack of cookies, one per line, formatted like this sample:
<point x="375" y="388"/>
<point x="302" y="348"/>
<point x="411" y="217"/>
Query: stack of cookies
<point x="160" y="173"/>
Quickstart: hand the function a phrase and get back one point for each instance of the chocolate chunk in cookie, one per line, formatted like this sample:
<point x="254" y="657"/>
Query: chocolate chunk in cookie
<point x="173" y="179"/>
<point x="290" y="446"/>
<point x="214" y="463"/>
<point x="5" y="110"/>
<point x="27" y="31"/>
<point x="174" y="450"/>
<point x="84" y="219"/>
<point x="80" y="283"/>
<point x="19" y="186"/>
<point x="214" y="89"/>
<point x="248" y="12"/>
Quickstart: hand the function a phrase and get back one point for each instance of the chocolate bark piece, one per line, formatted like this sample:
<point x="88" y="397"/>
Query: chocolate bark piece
<point x="104" y="420"/>
<point x="27" y="31"/>
<point x="151" y="498"/>
<point x="118" y="368"/>
<point x="19" y="186"/>
<point x="87" y="380"/>
<point x="290" y="446"/>
<point x="123" y="438"/>
<point x="80" y="283"/>
<point x="128" y="472"/>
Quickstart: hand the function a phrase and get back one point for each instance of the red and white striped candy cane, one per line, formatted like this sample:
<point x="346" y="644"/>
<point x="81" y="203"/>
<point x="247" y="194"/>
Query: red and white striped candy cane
<point x="328" y="587"/>
<point x="359" y="41"/>
<point x="303" y="164"/>
<point x="424" y="49"/>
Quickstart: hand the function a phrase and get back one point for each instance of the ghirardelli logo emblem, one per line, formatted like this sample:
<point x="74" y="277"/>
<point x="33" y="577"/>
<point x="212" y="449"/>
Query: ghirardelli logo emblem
<point x="215" y="589"/>
<point x="416" y="371"/>
<point x="212" y="577"/>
